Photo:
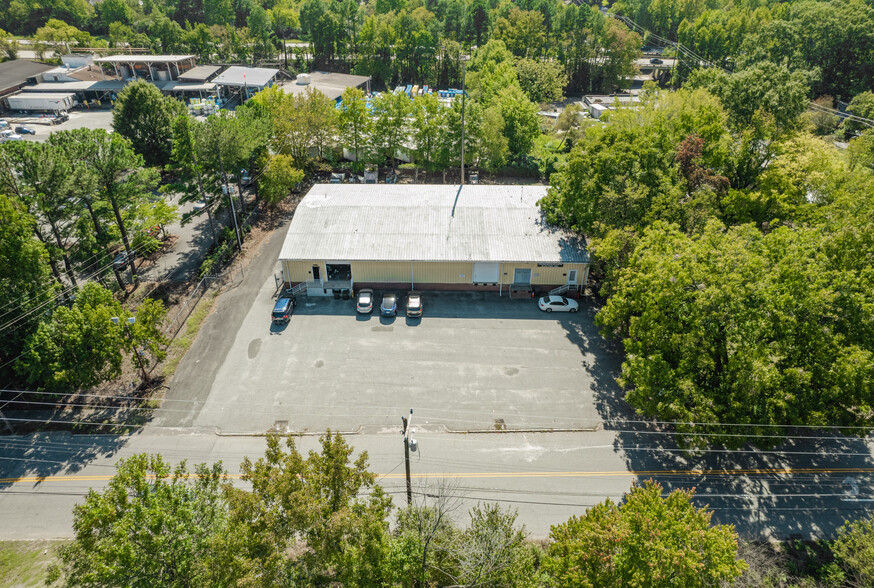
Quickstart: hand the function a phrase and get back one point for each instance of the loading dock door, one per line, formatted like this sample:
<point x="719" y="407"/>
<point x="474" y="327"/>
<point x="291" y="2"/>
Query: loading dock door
<point x="486" y="273"/>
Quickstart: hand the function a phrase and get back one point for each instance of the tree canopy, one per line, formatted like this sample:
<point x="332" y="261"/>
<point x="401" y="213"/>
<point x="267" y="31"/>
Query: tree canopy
<point x="646" y="541"/>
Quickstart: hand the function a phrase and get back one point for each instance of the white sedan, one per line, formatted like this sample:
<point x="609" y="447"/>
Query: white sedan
<point x="558" y="304"/>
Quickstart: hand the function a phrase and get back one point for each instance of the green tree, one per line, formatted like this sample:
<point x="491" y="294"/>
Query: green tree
<point x="278" y="176"/>
<point x="625" y="174"/>
<point x="261" y="30"/>
<point x="727" y="327"/>
<point x="227" y="142"/>
<point x="114" y="11"/>
<point x="8" y="45"/>
<point x="301" y="123"/>
<point x="542" y="81"/>
<point x="188" y="163"/>
<point x="429" y="117"/>
<point x="325" y="502"/>
<point x="355" y="125"/>
<point x="119" y="176"/>
<point x="390" y="125"/>
<point x="521" y="123"/>
<point x="646" y="541"/>
<point x="522" y="31"/>
<point x="854" y="551"/>
<point x="862" y="105"/>
<point x="218" y="12"/>
<point x="41" y="176"/>
<point x="78" y="347"/>
<point x="493" y="551"/>
<point x="58" y="32"/>
<point x="26" y="287"/>
<point x="763" y="87"/>
<point x="144" y="116"/>
<point x="153" y="525"/>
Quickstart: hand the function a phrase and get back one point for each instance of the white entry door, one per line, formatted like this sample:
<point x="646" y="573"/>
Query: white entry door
<point x="572" y="277"/>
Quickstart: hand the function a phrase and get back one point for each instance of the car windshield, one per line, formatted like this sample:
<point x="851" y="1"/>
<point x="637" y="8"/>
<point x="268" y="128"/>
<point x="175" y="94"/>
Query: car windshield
<point x="414" y="302"/>
<point x="364" y="298"/>
<point x="281" y="305"/>
<point x="388" y="301"/>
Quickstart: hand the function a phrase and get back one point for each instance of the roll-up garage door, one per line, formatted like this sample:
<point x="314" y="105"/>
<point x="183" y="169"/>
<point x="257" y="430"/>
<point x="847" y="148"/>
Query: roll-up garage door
<point x="486" y="273"/>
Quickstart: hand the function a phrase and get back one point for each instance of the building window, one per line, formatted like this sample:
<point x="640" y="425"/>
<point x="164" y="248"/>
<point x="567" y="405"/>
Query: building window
<point x="522" y="276"/>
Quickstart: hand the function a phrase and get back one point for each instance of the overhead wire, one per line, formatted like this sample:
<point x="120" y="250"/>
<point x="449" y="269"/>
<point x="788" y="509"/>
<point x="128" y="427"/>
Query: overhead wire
<point x="429" y="415"/>
<point x="694" y="56"/>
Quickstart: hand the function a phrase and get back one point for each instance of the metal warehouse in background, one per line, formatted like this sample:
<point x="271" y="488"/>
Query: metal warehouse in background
<point x="428" y="237"/>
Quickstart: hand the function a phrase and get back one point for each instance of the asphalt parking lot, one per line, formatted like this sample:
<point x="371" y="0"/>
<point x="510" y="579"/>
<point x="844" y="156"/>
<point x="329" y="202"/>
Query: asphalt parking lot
<point x="79" y="119"/>
<point x="473" y="362"/>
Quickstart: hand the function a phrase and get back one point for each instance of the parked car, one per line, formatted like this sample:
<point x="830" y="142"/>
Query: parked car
<point x="25" y="131"/>
<point x="656" y="61"/>
<point x="389" y="306"/>
<point x="9" y="135"/>
<point x="3" y="123"/>
<point x="120" y="261"/>
<point x="283" y="309"/>
<point x="414" y="304"/>
<point x="558" y="304"/>
<point x="364" y="302"/>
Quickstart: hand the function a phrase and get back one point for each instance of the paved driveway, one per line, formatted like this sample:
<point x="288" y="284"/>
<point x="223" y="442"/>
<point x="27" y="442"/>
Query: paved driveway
<point x="474" y="362"/>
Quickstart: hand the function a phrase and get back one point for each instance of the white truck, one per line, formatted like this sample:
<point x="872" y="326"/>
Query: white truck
<point x="42" y="102"/>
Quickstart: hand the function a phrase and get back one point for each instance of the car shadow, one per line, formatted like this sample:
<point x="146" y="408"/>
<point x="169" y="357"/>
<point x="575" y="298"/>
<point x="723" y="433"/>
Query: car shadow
<point x="278" y="329"/>
<point x="414" y="321"/>
<point x="362" y="317"/>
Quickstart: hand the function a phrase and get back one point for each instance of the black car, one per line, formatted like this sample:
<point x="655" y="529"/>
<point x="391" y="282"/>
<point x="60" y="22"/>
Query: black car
<point x="283" y="309"/>
<point x="389" y="306"/>
<point x="656" y="61"/>
<point x="25" y="131"/>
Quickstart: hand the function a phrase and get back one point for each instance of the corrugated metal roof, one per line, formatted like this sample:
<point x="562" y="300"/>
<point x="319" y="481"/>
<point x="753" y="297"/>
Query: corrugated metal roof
<point x="427" y="223"/>
<point x="17" y="71"/>
<point x="143" y="58"/>
<point x="246" y="76"/>
<point x="201" y="73"/>
<point x="331" y="85"/>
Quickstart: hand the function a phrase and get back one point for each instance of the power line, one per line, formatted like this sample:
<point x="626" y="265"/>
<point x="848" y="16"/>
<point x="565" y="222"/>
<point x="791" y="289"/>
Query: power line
<point x="694" y="56"/>
<point x="429" y="416"/>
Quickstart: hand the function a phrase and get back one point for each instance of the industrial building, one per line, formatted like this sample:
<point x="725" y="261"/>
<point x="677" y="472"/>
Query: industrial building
<point x="428" y="237"/>
<point x="154" y="68"/>
<point x="244" y="82"/>
<point x="330" y="84"/>
<point x="17" y="73"/>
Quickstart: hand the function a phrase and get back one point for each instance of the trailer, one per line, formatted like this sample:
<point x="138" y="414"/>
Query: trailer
<point x="41" y="102"/>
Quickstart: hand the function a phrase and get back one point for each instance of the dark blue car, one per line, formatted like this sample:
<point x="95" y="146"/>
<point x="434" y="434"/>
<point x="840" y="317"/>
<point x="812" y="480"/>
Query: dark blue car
<point x="389" y="306"/>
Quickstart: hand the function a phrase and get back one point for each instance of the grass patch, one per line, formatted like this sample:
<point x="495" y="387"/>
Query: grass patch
<point x="26" y="563"/>
<point x="180" y="345"/>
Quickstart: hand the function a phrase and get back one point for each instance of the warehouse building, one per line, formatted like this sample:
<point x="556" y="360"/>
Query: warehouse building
<point x="428" y="237"/>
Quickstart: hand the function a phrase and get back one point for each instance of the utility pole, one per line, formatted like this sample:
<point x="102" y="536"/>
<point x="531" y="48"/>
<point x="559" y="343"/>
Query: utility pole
<point x="463" y="96"/>
<point x="227" y="191"/>
<point x="139" y="360"/>
<point x="407" y="442"/>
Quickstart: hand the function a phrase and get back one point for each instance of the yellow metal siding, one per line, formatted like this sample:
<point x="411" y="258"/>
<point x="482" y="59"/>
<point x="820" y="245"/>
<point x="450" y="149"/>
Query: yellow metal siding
<point x="381" y="271"/>
<point x="432" y="272"/>
<point x="544" y="275"/>
<point x="297" y="271"/>
<point x="443" y="273"/>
